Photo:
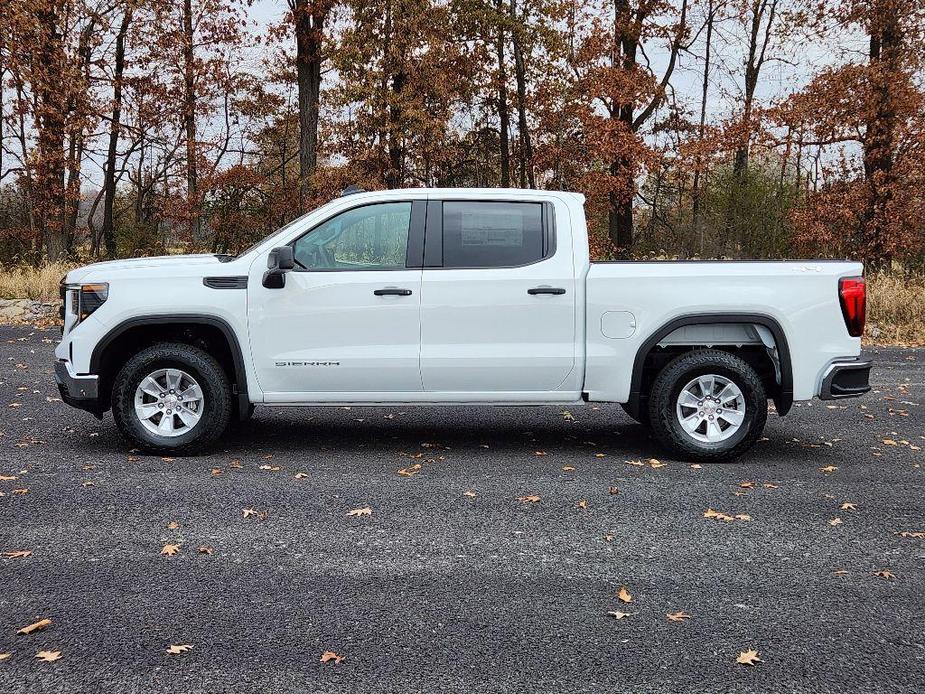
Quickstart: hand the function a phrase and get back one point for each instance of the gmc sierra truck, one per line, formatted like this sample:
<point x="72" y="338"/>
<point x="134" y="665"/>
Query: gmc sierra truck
<point x="456" y="296"/>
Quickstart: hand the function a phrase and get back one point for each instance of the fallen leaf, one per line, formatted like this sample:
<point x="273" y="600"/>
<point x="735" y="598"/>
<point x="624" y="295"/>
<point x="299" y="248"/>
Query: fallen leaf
<point x="469" y="493"/>
<point x="567" y="468"/>
<point x="20" y="492"/>
<point x="654" y="463"/>
<point x="365" y="511"/>
<point x="177" y="649"/>
<point x="624" y="595"/>
<point x="696" y="466"/>
<point x="259" y="515"/>
<point x="48" y="656"/>
<point x="743" y="517"/>
<point x="909" y="533"/>
<point x="840" y="572"/>
<point x="529" y="499"/>
<point x="301" y="475"/>
<point x="539" y="452"/>
<point x="16" y="553"/>
<point x="848" y="506"/>
<point x="829" y="468"/>
<point x="746" y="485"/>
<point x="748" y="658"/>
<point x="835" y="521"/>
<point x="613" y="491"/>
<point x="7" y="478"/>
<point x="620" y="615"/>
<point x="168" y="459"/>
<point x="885" y="574"/>
<point x="410" y="471"/>
<point x="37" y="626"/>
<point x="582" y="504"/>
<point x="331" y="656"/>
<point x="173" y="525"/>
<point x="169" y="550"/>
<point x="4" y="656"/>
<point x="216" y="471"/>
<point x="677" y="616"/>
<point x="205" y="549"/>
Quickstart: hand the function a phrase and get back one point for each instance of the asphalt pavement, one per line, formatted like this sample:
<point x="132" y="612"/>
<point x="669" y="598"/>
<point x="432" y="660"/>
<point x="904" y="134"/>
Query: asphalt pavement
<point x="458" y="579"/>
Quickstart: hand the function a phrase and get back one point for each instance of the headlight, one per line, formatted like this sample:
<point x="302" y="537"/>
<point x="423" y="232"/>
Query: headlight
<point x="84" y="299"/>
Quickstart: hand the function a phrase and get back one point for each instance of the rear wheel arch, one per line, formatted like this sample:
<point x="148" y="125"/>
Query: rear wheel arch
<point x="134" y="334"/>
<point x="643" y="375"/>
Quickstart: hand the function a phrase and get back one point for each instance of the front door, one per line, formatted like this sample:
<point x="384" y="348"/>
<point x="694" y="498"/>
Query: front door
<point x="346" y="326"/>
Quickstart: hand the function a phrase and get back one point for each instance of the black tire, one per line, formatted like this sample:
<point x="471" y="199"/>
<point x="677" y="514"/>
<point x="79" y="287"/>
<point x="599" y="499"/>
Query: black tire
<point x="217" y="404"/>
<point x="668" y="386"/>
<point x="642" y="417"/>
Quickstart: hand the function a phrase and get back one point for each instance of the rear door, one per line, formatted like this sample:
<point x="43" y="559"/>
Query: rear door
<point x="498" y="300"/>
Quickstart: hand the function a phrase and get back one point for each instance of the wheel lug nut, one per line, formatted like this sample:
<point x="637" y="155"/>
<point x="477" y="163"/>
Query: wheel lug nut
<point x="160" y="404"/>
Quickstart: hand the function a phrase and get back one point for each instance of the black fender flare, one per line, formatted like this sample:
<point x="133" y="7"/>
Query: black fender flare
<point x="783" y="401"/>
<point x="237" y="355"/>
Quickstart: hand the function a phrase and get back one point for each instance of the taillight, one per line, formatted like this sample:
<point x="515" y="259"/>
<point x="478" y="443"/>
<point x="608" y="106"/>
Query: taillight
<point x="852" y="293"/>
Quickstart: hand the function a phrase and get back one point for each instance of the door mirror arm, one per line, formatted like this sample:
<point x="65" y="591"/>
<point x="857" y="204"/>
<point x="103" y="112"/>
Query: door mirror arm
<point x="280" y="261"/>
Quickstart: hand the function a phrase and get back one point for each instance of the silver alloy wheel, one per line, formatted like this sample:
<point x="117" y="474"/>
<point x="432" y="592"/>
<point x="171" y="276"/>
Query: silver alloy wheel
<point x="710" y="408"/>
<point x="169" y="402"/>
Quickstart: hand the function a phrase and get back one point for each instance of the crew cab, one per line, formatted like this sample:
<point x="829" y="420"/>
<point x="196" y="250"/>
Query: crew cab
<point x="456" y="296"/>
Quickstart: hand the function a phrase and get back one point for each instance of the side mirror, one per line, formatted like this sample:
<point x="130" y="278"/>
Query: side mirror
<point x="279" y="262"/>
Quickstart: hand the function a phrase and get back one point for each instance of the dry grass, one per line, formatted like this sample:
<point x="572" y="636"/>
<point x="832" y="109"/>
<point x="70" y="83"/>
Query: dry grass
<point x="896" y="309"/>
<point x="26" y="282"/>
<point x="895" y="302"/>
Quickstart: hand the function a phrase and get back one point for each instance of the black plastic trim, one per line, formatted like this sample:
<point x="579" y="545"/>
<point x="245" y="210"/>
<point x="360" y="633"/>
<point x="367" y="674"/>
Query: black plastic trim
<point x="846" y="380"/>
<point x="233" y="282"/>
<point x="433" y="235"/>
<point x="180" y="318"/>
<point x="414" y="257"/>
<point x="82" y="393"/>
<point x="783" y="401"/>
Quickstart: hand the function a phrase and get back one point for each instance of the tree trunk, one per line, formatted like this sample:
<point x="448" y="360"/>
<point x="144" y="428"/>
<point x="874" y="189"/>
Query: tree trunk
<point x="309" y="20"/>
<point x="49" y="64"/>
<point x="698" y="231"/>
<point x="886" y="46"/>
<point x="503" y="114"/>
<point x="189" y="121"/>
<point x="757" y="49"/>
<point x="109" y="177"/>
<point x="527" y="178"/>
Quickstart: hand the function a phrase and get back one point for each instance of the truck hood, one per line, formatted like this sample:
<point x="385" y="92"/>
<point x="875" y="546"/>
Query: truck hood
<point x="175" y="261"/>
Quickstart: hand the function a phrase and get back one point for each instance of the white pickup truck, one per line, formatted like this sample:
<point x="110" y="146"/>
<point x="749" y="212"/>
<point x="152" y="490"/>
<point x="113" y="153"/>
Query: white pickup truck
<point x="456" y="296"/>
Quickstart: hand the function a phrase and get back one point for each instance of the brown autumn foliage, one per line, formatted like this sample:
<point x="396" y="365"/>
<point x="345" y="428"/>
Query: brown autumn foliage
<point x="147" y="126"/>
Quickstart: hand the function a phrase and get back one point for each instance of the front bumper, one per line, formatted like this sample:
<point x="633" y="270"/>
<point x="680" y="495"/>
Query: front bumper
<point x="81" y="392"/>
<point x="845" y="379"/>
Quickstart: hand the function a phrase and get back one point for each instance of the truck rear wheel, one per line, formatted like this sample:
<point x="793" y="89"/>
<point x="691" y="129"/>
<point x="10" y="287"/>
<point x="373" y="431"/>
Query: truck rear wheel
<point x="172" y="398"/>
<point x="708" y="405"/>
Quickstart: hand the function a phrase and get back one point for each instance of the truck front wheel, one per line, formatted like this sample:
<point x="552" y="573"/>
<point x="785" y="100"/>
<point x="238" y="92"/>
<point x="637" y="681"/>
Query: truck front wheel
<point x="708" y="405"/>
<point x="172" y="398"/>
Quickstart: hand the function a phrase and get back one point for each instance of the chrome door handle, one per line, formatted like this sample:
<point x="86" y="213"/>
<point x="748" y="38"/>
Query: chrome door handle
<point x="392" y="291"/>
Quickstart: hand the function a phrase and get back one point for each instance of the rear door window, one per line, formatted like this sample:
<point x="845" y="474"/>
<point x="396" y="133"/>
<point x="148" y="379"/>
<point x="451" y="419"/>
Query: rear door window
<point x="492" y="234"/>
